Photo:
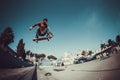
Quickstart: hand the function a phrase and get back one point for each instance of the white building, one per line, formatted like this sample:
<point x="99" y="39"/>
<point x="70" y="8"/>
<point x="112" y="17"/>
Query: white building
<point x="67" y="58"/>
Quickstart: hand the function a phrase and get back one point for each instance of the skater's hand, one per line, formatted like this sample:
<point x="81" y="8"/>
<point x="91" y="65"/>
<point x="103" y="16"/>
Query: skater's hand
<point x="30" y="28"/>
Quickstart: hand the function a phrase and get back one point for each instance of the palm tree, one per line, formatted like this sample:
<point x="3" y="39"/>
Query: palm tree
<point x="7" y="37"/>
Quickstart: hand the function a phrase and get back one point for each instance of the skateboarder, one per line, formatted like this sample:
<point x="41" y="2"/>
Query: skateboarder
<point x="42" y="30"/>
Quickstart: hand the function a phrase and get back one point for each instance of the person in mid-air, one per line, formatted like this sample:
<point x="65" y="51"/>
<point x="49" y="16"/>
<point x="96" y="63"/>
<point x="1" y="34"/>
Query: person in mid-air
<point x="42" y="30"/>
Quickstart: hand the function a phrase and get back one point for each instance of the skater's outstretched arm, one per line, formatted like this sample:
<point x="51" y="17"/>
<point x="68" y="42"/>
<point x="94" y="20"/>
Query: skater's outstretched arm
<point x="31" y="27"/>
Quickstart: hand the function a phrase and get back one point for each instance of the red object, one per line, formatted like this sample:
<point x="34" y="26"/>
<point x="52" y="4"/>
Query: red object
<point x="42" y="26"/>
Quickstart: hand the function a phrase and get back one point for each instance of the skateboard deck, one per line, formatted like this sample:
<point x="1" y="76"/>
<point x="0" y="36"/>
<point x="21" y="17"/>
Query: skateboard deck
<point x="39" y="39"/>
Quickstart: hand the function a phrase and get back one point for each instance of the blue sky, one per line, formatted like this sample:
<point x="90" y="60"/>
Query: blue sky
<point x="76" y="24"/>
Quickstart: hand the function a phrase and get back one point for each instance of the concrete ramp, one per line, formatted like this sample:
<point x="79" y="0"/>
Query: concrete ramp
<point x="18" y="74"/>
<point x="107" y="69"/>
<point x="9" y="61"/>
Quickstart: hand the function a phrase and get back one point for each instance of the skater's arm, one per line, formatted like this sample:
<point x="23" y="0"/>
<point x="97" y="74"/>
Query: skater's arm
<point x="34" y="25"/>
<point x="31" y="27"/>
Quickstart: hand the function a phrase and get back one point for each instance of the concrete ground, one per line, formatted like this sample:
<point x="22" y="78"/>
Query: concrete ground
<point x="107" y="69"/>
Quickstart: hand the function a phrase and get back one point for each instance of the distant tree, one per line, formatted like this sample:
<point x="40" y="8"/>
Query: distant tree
<point x="83" y="52"/>
<point x="111" y="42"/>
<point x="31" y="54"/>
<point x="40" y="56"/>
<point x="118" y="39"/>
<point x="90" y="52"/>
<point x="7" y="37"/>
<point x="51" y="57"/>
<point x="102" y="46"/>
<point x="28" y="52"/>
<point x="21" y="50"/>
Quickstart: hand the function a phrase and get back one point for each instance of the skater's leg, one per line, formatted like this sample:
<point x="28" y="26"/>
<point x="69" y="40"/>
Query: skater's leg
<point x="37" y="34"/>
<point x="49" y="35"/>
